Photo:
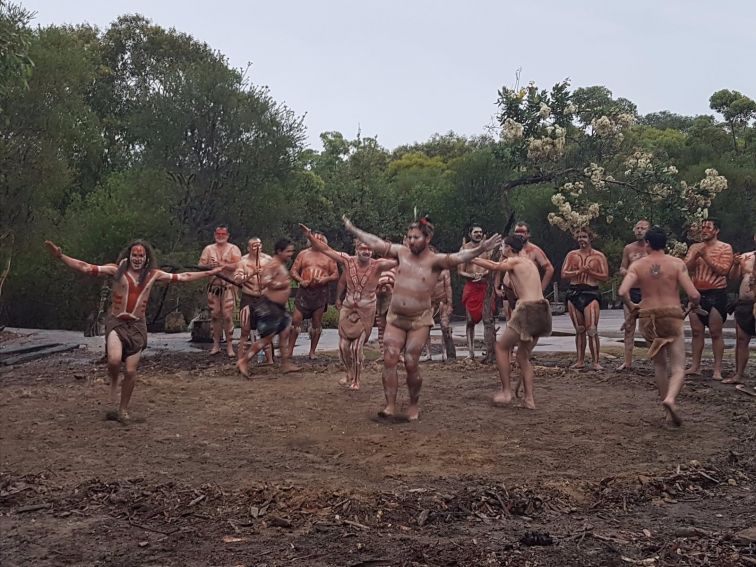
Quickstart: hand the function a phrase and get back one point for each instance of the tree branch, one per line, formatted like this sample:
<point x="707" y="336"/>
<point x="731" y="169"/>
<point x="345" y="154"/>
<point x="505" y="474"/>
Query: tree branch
<point x="534" y="179"/>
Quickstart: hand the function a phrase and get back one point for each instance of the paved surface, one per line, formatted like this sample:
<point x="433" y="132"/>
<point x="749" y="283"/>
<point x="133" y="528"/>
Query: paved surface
<point x="563" y="339"/>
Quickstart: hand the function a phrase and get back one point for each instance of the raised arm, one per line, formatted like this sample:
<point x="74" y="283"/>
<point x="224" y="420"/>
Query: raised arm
<point x="320" y="246"/>
<point x="502" y="266"/>
<point x="376" y="244"/>
<point x="448" y="261"/>
<point x="187" y="276"/>
<point x="79" y="265"/>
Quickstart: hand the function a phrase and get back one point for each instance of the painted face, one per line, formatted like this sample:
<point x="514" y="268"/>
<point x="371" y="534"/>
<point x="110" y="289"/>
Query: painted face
<point x="363" y="251"/>
<point x="221" y="235"/>
<point x="137" y="257"/>
<point x="254" y="245"/>
<point x="476" y="234"/>
<point x="523" y="231"/>
<point x="416" y="240"/>
<point x="708" y="230"/>
<point x="583" y="240"/>
<point x="640" y="229"/>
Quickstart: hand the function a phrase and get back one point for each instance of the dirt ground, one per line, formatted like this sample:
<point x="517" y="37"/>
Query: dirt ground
<point x="283" y="470"/>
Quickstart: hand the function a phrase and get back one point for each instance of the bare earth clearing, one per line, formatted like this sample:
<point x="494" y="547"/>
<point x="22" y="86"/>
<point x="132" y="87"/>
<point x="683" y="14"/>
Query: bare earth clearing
<point x="283" y="470"/>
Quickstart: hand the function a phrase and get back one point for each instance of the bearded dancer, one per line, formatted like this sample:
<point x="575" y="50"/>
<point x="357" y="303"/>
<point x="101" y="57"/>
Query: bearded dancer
<point x="585" y="269"/>
<point x="409" y="317"/>
<point x="357" y="313"/>
<point x="221" y="295"/>
<point x="745" y="314"/>
<point x="134" y="274"/>
<point x="474" y="292"/>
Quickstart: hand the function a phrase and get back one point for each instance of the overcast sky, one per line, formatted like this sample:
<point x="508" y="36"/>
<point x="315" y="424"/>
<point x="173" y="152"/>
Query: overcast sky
<point x="404" y="70"/>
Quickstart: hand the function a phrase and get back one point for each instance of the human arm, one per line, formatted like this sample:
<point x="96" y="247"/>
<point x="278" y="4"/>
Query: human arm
<point x="503" y="266"/>
<point x="497" y="285"/>
<point x="625" y="263"/>
<point x="448" y="261"/>
<point x="691" y="258"/>
<point x="320" y="246"/>
<point x="207" y="258"/>
<point x="548" y="268"/>
<point x="629" y="282"/>
<point x="375" y="243"/>
<point x="598" y="270"/>
<point x="79" y="265"/>
<point x="294" y="273"/>
<point x="187" y="276"/>
<point x="340" y="287"/>
<point x="569" y="271"/>
<point x="683" y="279"/>
<point x="719" y="258"/>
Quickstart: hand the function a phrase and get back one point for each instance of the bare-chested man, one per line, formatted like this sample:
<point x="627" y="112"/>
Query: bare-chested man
<point x="248" y="274"/>
<point x="221" y="295"/>
<point x="529" y="320"/>
<point x="709" y="262"/>
<point x="474" y="292"/>
<point x="134" y="274"/>
<point x="270" y="313"/>
<point x="661" y="317"/>
<point x="585" y="268"/>
<point x="744" y="269"/>
<point x="534" y="253"/>
<point x="441" y="304"/>
<point x="314" y="271"/>
<point x="410" y="317"/>
<point x="632" y="252"/>
<point x="357" y="310"/>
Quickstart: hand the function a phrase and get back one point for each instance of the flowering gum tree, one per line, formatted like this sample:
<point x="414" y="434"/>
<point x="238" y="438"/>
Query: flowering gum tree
<point x="582" y="142"/>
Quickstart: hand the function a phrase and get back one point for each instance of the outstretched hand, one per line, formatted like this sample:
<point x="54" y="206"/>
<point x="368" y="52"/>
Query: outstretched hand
<point x="491" y="243"/>
<point x="347" y="223"/>
<point x="306" y="230"/>
<point x="54" y="249"/>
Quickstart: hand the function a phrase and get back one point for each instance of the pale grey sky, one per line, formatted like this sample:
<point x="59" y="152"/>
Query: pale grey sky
<point x="403" y="70"/>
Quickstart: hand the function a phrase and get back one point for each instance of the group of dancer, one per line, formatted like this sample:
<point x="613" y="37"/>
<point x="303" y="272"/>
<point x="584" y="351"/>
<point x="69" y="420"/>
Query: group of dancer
<point x="402" y="288"/>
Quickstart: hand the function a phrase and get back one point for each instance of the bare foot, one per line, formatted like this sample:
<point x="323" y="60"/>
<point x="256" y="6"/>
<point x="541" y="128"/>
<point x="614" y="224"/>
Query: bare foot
<point x="693" y="371"/>
<point x="528" y="403"/>
<point x="121" y="416"/>
<point x="413" y="412"/>
<point x="312" y="356"/>
<point x="717" y="376"/>
<point x="214" y="351"/>
<point x="243" y="365"/>
<point x="288" y="367"/>
<point x="578" y="365"/>
<point x="343" y="381"/>
<point x="670" y="407"/>
<point x="502" y="397"/>
<point x="230" y="352"/>
<point x="354" y="386"/>
<point x="624" y="366"/>
<point x="734" y="379"/>
<point x="597" y="366"/>
<point x="387" y="412"/>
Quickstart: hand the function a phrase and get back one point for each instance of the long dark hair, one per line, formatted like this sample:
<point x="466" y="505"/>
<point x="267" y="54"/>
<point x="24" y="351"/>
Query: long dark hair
<point x="150" y="262"/>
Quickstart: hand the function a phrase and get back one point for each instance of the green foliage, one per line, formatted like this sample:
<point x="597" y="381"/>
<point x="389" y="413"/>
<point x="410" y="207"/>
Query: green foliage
<point x="15" y="37"/>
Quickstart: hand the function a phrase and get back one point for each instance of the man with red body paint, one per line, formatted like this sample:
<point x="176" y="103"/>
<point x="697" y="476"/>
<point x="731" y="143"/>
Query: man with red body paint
<point x="134" y="274"/>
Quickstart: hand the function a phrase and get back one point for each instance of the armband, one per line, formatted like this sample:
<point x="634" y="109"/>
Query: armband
<point x="174" y="278"/>
<point x="94" y="270"/>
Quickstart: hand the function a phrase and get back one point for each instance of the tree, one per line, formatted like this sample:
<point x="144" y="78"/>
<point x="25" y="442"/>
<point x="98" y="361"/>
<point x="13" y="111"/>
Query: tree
<point x="738" y="110"/>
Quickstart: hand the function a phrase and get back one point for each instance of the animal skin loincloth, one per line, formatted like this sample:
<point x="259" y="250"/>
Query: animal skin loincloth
<point x="424" y="319"/>
<point x="660" y="326"/>
<point x="131" y="332"/>
<point x="357" y="317"/>
<point x="531" y="319"/>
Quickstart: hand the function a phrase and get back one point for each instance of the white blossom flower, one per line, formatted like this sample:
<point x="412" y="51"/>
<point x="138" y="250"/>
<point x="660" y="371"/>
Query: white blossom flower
<point x="544" y="111"/>
<point x="512" y="130"/>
